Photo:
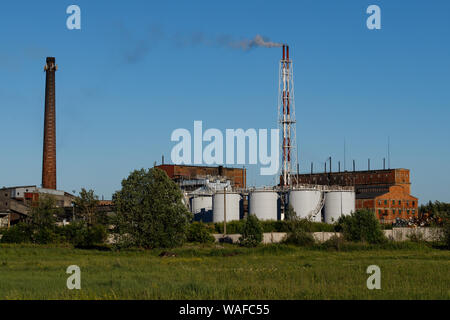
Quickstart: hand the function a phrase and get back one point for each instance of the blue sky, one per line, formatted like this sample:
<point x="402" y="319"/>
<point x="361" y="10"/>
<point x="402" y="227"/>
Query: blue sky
<point x="137" y="70"/>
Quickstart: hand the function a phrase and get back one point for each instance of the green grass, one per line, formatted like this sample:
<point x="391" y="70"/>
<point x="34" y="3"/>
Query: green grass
<point x="409" y="271"/>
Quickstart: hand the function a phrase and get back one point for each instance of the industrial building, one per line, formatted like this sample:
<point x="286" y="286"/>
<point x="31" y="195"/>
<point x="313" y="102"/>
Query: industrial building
<point x="16" y="202"/>
<point x="192" y="177"/>
<point x="385" y="192"/>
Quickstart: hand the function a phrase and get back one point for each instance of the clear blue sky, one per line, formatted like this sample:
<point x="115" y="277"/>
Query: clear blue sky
<point x="137" y="70"/>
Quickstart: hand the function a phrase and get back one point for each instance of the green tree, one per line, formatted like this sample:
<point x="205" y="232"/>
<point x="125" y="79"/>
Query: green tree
<point x="361" y="225"/>
<point x="44" y="212"/>
<point x="86" y="208"/>
<point x="149" y="211"/>
<point x="252" y="232"/>
<point x="290" y="213"/>
<point x="42" y="220"/>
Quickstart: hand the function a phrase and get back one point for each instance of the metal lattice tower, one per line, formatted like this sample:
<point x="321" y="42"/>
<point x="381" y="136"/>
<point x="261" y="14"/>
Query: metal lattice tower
<point x="286" y="112"/>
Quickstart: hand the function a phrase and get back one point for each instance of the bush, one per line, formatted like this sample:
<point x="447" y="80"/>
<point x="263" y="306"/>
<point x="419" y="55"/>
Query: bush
<point x="19" y="233"/>
<point x="83" y="236"/>
<point x="45" y="235"/>
<point x="361" y="226"/>
<point x="232" y="227"/>
<point x="299" y="232"/>
<point x="252" y="232"/>
<point x="200" y="232"/>
<point x="90" y="236"/>
<point x="335" y="242"/>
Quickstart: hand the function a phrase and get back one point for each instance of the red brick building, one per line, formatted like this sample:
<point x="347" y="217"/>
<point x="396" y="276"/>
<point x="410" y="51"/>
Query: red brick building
<point x="237" y="176"/>
<point x="385" y="192"/>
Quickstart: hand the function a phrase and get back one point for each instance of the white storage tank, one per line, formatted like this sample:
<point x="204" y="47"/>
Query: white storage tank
<point x="201" y="202"/>
<point x="233" y="202"/>
<point x="201" y="207"/>
<point x="264" y="204"/>
<point x="307" y="203"/>
<point x="338" y="203"/>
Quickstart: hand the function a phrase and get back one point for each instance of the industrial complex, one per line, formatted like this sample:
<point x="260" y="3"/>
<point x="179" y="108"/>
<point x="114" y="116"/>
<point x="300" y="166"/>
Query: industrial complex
<point x="219" y="193"/>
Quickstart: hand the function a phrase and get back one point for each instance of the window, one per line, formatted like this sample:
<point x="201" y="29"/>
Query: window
<point x="379" y="202"/>
<point x="407" y="202"/>
<point x="380" y="212"/>
<point x="414" y="212"/>
<point x="400" y="211"/>
<point x="407" y="211"/>
<point x="385" y="202"/>
<point x="393" y="211"/>
<point x="393" y="202"/>
<point x="399" y="202"/>
<point x="414" y="203"/>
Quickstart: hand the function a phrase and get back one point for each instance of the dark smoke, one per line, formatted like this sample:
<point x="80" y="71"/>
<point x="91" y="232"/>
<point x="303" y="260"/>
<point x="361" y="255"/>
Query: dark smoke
<point x="134" y="50"/>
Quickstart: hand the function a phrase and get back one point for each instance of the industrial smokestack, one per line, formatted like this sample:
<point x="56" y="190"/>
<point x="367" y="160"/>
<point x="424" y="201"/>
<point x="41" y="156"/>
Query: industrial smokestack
<point x="49" y="154"/>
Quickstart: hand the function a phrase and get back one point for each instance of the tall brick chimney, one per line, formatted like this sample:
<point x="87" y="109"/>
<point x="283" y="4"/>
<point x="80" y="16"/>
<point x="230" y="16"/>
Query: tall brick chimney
<point x="49" y="155"/>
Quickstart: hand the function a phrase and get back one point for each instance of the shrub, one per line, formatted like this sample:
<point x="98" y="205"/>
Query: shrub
<point x="361" y="225"/>
<point x="232" y="227"/>
<point x="199" y="232"/>
<point x="81" y="235"/>
<point x="299" y="232"/>
<point x="90" y="236"/>
<point x="19" y="233"/>
<point x="335" y="242"/>
<point x="252" y="232"/>
<point x="45" y="235"/>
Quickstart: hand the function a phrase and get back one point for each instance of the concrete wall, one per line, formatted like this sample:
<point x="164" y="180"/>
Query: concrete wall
<point x="396" y="234"/>
<point x="404" y="234"/>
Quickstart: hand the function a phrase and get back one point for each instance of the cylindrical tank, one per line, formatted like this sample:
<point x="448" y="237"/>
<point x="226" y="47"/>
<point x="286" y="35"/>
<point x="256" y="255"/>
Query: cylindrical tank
<point x="201" y="207"/>
<point x="338" y="203"/>
<point x="264" y="204"/>
<point x="307" y="203"/>
<point x="233" y="202"/>
<point x="201" y="202"/>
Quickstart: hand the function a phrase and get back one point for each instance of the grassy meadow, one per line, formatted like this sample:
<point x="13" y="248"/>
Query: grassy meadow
<point x="408" y="271"/>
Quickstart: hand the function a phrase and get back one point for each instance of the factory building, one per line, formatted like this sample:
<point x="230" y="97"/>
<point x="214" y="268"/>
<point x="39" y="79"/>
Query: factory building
<point x="385" y="192"/>
<point x="16" y="202"/>
<point x="193" y="177"/>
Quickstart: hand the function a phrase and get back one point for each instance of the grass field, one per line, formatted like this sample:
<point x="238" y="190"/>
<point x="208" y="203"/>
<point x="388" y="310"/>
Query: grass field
<point x="408" y="271"/>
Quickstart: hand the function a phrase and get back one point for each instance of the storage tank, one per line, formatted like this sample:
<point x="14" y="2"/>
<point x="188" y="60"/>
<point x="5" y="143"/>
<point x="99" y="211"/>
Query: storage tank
<point x="338" y="203"/>
<point x="264" y="204"/>
<point x="201" y="207"/>
<point x="307" y="202"/>
<point x="234" y="206"/>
